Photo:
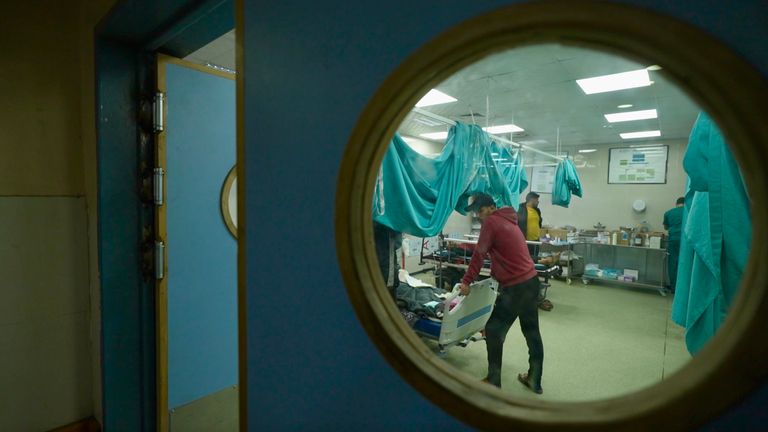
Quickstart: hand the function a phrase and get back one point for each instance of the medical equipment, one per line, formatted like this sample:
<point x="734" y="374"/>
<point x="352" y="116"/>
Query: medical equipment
<point x="461" y="323"/>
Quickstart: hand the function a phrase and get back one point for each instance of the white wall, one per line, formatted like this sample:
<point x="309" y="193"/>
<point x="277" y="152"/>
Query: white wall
<point x="458" y="224"/>
<point x="611" y="204"/>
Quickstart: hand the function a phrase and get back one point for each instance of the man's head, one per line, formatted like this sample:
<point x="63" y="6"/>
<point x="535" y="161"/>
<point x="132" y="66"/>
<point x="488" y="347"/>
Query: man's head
<point x="680" y="202"/>
<point x="483" y="205"/>
<point x="532" y="199"/>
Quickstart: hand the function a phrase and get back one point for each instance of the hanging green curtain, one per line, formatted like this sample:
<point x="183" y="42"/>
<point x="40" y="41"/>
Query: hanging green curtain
<point x="512" y="168"/>
<point x="566" y="183"/>
<point x="416" y="194"/>
<point x="717" y="229"/>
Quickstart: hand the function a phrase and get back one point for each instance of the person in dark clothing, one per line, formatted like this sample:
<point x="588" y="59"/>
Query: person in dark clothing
<point x="512" y="267"/>
<point x="387" y="243"/>
<point x="673" y="223"/>
<point x="530" y="221"/>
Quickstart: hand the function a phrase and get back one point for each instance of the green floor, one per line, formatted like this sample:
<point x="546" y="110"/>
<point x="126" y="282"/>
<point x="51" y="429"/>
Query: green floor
<point x="600" y="341"/>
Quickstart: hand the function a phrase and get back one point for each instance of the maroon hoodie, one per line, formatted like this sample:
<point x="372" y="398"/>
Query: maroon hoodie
<point x="500" y="237"/>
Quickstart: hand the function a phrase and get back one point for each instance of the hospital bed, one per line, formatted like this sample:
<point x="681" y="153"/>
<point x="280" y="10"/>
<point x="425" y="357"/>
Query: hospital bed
<point x="460" y="324"/>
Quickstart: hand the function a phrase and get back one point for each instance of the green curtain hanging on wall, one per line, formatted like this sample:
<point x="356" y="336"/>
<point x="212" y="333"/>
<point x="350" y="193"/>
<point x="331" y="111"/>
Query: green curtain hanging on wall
<point x="566" y="183"/>
<point x="717" y="230"/>
<point x="416" y="194"/>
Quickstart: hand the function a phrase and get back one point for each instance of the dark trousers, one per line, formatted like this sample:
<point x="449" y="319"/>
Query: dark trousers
<point x="534" y="251"/>
<point x="516" y="301"/>
<point x="673" y="248"/>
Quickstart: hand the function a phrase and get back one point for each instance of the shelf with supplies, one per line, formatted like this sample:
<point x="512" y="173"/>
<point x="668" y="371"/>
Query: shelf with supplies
<point x="625" y="265"/>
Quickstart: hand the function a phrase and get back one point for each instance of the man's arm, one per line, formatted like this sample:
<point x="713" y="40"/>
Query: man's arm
<point x="478" y="256"/>
<point x="541" y="219"/>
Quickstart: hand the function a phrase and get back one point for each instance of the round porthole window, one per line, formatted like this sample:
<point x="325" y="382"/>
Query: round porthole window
<point x="682" y="400"/>
<point x="229" y="201"/>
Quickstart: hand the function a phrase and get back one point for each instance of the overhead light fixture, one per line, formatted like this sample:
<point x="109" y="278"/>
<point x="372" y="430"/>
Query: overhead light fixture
<point x="500" y="129"/>
<point x="435" y="97"/>
<point x="494" y="154"/>
<point x="625" y="106"/>
<point x="435" y="135"/>
<point x="587" y="150"/>
<point x="498" y="159"/>
<point x="631" y="115"/>
<point x="614" y="82"/>
<point x="642" y="134"/>
<point x="653" y="68"/>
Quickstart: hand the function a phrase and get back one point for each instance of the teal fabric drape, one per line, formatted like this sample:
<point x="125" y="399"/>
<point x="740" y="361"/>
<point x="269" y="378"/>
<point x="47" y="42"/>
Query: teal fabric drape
<point x="566" y="183"/>
<point x="416" y="194"/>
<point x="715" y="243"/>
<point x="512" y="169"/>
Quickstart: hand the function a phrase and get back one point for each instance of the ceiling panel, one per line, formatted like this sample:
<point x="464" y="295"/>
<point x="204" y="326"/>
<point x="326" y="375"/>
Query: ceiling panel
<point x="534" y="87"/>
<point x="220" y="52"/>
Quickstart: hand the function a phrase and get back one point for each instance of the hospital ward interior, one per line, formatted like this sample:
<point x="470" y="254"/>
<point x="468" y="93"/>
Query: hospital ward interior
<point x="631" y="205"/>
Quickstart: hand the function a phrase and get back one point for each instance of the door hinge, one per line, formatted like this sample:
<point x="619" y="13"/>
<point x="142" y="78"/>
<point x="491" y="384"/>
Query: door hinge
<point x="159" y="260"/>
<point x="158" y="176"/>
<point x="158" y="108"/>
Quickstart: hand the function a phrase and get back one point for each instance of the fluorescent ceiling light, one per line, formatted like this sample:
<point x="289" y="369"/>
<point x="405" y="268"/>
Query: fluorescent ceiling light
<point x="631" y="115"/>
<point x="435" y="97"/>
<point x="498" y="159"/>
<point x="435" y="135"/>
<point x="625" y="106"/>
<point x="653" y="68"/>
<point x="494" y="154"/>
<point x="507" y="128"/>
<point x="643" y="134"/>
<point x="587" y="151"/>
<point x="613" y="82"/>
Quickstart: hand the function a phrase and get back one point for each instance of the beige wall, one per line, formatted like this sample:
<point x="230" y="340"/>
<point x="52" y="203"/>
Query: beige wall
<point x="611" y="204"/>
<point x="45" y="366"/>
<point x="49" y="294"/>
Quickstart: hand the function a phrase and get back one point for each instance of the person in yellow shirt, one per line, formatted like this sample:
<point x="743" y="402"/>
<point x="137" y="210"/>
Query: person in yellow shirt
<point x="529" y="220"/>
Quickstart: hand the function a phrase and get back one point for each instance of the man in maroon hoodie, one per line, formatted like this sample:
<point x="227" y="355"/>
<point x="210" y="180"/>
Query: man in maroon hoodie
<point x="512" y="267"/>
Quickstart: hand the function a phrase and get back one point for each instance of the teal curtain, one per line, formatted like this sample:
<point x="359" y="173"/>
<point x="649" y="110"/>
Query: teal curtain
<point x="566" y="183"/>
<point x="715" y="243"/>
<point x="416" y="194"/>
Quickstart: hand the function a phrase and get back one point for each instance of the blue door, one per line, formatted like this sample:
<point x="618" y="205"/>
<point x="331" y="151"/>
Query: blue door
<point x="197" y="296"/>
